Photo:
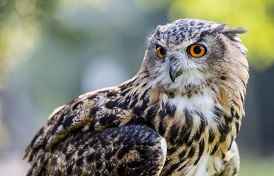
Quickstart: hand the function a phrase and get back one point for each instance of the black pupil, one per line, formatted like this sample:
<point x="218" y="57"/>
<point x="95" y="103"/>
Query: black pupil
<point x="197" y="50"/>
<point x="162" y="51"/>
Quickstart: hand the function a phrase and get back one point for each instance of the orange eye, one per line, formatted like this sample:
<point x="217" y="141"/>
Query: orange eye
<point x="160" y="51"/>
<point x="196" y="50"/>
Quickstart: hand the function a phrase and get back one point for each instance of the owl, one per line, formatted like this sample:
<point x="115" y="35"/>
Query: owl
<point x="179" y="115"/>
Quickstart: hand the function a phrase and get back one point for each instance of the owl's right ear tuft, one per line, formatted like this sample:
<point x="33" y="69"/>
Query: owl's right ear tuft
<point x="158" y="31"/>
<point x="154" y="34"/>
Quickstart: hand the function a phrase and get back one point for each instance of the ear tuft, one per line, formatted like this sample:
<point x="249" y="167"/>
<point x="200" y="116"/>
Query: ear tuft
<point x="232" y="33"/>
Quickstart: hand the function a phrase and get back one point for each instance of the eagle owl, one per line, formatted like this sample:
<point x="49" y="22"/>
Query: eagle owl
<point x="179" y="115"/>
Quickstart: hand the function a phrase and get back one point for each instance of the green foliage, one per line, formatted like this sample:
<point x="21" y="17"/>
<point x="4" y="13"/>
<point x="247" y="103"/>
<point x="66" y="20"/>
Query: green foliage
<point x="19" y="28"/>
<point x="256" y="165"/>
<point x="253" y="15"/>
<point x="19" y="31"/>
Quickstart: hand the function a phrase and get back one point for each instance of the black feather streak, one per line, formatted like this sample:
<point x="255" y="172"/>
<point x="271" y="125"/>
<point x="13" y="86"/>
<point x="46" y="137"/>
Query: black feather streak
<point x="214" y="149"/>
<point x="189" y="121"/>
<point x="170" y="110"/>
<point x="201" y="150"/>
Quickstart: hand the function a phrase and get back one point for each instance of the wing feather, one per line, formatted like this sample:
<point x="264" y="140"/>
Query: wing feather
<point x="77" y="114"/>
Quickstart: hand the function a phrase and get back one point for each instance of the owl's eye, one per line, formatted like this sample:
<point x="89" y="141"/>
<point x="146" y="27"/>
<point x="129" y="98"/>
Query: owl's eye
<point x="196" y="50"/>
<point x="160" y="51"/>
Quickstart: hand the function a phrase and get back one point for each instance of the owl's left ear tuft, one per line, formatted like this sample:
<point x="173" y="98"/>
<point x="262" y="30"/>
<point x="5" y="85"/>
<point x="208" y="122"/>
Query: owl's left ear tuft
<point x="233" y="32"/>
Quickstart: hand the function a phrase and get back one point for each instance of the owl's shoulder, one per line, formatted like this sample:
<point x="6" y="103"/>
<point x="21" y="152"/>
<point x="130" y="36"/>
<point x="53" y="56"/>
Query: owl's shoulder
<point x="76" y="114"/>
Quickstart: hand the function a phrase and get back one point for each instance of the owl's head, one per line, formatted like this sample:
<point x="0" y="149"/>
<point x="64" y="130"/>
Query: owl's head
<point x="191" y="52"/>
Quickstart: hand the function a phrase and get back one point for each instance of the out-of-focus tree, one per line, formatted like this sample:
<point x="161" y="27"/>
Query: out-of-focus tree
<point x="43" y="39"/>
<point x="20" y="21"/>
<point x="20" y="24"/>
<point x="254" y="15"/>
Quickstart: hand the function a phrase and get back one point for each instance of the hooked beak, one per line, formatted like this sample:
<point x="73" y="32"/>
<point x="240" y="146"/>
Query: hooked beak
<point x="173" y="72"/>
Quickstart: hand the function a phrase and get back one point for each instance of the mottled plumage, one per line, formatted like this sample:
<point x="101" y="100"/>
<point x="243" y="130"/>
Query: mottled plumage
<point x="179" y="115"/>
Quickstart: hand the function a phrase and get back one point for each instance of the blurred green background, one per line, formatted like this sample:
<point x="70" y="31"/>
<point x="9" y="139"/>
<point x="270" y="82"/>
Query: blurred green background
<point x="52" y="51"/>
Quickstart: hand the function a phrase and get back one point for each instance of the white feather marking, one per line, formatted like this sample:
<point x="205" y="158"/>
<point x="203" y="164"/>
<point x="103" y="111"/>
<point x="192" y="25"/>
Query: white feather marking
<point x="202" y="103"/>
<point x="164" y="151"/>
<point x="206" y="166"/>
<point x="188" y="77"/>
<point x="192" y="77"/>
<point x="164" y="147"/>
<point x="200" y="169"/>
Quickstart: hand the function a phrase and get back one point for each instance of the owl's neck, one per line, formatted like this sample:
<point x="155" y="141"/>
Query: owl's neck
<point x="190" y="98"/>
<point x="184" y="116"/>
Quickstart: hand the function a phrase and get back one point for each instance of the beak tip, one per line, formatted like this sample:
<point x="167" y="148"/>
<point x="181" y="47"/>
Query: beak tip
<point x="172" y="76"/>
